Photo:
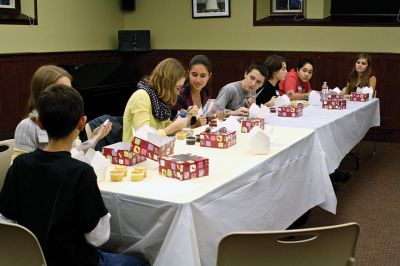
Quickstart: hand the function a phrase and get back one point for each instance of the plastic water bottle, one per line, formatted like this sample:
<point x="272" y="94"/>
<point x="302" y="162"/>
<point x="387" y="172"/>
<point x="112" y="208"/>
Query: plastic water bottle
<point x="324" y="90"/>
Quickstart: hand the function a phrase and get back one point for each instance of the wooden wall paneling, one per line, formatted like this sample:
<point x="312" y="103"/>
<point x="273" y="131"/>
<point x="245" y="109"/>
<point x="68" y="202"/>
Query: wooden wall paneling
<point x="228" y="66"/>
<point x="16" y="71"/>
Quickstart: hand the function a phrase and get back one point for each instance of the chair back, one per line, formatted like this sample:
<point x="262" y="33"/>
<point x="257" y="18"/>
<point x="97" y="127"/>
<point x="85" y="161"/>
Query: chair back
<point x="6" y="151"/>
<point x="19" y="246"/>
<point x="328" y="246"/>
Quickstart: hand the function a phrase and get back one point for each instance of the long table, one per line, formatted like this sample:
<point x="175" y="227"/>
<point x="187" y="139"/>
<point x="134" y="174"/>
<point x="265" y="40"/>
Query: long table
<point x="181" y="222"/>
<point x="338" y="130"/>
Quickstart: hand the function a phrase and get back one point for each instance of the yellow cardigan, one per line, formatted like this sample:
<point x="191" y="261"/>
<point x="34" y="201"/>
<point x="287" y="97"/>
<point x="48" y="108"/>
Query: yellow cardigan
<point x="138" y="113"/>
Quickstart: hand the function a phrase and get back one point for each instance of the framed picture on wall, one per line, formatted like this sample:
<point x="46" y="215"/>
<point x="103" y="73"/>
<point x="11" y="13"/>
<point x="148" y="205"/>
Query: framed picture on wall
<point x="10" y="6"/>
<point x="210" y="8"/>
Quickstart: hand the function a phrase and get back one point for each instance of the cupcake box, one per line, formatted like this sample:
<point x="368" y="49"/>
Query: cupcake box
<point x="183" y="166"/>
<point x="290" y="110"/>
<point x="120" y="153"/>
<point x="222" y="140"/>
<point x="152" y="151"/>
<point x="249" y="123"/>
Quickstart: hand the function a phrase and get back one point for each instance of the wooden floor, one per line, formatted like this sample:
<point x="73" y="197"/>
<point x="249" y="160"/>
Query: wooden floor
<point x="372" y="199"/>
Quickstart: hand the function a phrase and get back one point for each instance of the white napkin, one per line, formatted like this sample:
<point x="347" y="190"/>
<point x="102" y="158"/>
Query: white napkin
<point x="258" y="112"/>
<point x="94" y="159"/>
<point x="151" y="135"/>
<point x="282" y="100"/>
<point x="266" y="112"/>
<point x="231" y="124"/>
<point x="314" y="98"/>
<point x="259" y="141"/>
<point x="337" y="90"/>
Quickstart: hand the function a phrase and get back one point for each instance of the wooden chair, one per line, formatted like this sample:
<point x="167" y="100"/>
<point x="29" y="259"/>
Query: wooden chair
<point x="19" y="246"/>
<point x="328" y="246"/>
<point x="6" y="151"/>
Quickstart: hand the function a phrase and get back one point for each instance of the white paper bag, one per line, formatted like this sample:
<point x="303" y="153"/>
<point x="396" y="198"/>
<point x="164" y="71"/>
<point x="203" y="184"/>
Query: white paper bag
<point x="282" y="100"/>
<point x="94" y="159"/>
<point x="258" y="112"/>
<point x="259" y="141"/>
<point x="314" y="98"/>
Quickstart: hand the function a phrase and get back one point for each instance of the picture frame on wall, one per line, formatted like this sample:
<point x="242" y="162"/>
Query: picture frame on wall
<point x="211" y="8"/>
<point x="10" y="6"/>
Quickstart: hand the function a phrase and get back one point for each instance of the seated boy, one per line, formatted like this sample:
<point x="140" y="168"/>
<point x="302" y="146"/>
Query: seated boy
<point x="56" y="196"/>
<point x="238" y="96"/>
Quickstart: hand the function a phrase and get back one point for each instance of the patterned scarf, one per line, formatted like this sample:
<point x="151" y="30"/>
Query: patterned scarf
<point x="160" y="110"/>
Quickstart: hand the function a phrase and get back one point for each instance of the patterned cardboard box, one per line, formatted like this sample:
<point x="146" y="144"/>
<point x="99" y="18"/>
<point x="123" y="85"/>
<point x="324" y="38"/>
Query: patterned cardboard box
<point x="334" y="104"/>
<point x="218" y="139"/>
<point x="183" y="166"/>
<point x="249" y="123"/>
<point x="150" y="150"/>
<point x="359" y="97"/>
<point x="119" y="153"/>
<point x="290" y="111"/>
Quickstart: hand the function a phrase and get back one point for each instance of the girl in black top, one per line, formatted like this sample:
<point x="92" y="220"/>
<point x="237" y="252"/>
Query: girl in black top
<point x="276" y="66"/>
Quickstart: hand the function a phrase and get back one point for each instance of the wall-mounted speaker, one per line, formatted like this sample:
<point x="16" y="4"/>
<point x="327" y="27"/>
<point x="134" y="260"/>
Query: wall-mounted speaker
<point x="134" y="40"/>
<point x="128" y="5"/>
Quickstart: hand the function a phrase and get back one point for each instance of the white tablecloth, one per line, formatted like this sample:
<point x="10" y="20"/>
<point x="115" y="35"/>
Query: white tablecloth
<point x="338" y="130"/>
<point x="181" y="222"/>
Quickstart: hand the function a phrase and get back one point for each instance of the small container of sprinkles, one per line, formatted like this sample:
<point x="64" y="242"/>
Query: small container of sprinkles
<point x="190" y="140"/>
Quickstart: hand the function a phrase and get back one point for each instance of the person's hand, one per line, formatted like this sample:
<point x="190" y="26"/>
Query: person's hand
<point x="241" y="111"/>
<point x="221" y="114"/>
<point x="105" y="131"/>
<point x="271" y="102"/>
<point x="249" y="101"/>
<point x="193" y="110"/>
<point x="201" y="121"/>
<point x="290" y="94"/>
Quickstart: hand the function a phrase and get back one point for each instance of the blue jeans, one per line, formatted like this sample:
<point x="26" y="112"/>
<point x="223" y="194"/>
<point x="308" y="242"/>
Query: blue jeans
<point x="114" y="259"/>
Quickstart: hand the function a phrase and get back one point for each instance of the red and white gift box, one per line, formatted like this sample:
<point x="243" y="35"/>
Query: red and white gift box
<point x="335" y="96"/>
<point x="334" y="104"/>
<point x="249" y="123"/>
<point x="359" y="97"/>
<point x="183" y="166"/>
<point x="120" y="153"/>
<point x="149" y="150"/>
<point x="290" y="111"/>
<point x="218" y="139"/>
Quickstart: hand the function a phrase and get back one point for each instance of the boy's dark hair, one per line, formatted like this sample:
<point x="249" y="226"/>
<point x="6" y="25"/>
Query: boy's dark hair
<point x="273" y="63"/>
<point x="60" y="108"/>
<point x="260" y="67"/>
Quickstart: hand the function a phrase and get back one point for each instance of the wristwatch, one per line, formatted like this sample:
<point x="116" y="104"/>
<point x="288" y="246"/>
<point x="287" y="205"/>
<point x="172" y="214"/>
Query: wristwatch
<point x="306" y="96"/>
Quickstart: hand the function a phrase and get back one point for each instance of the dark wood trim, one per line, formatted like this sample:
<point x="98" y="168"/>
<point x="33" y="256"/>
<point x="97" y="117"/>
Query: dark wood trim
<point x="16" y="71"/>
